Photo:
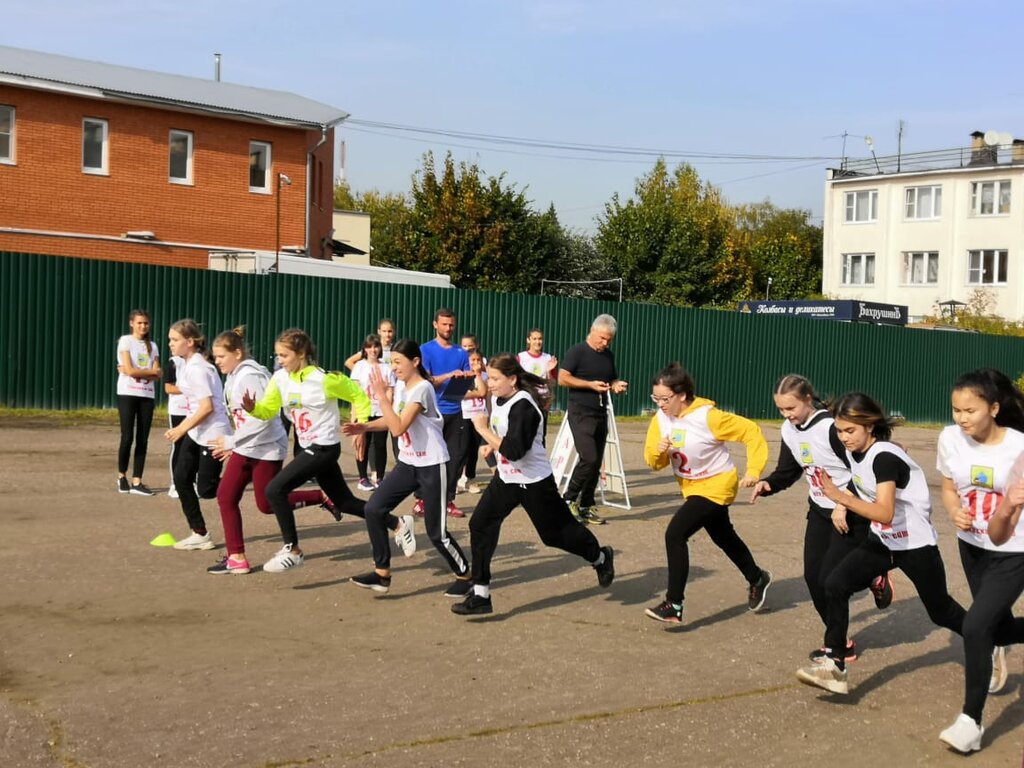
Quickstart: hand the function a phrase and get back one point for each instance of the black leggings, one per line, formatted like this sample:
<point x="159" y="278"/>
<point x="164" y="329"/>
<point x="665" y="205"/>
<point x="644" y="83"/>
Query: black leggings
<point x="196" y="470"/>
<point x="136" y="417"/>
<point x="698" y="512"/>
<point x="825" y="548"/>
<point x="996" y="580"/>
<point x="315" y="461"/>
<point x="174" y="420"/>
<point x="548" y="512"/>
<point x="923" y="566"/>
<point x="377" y="449"/>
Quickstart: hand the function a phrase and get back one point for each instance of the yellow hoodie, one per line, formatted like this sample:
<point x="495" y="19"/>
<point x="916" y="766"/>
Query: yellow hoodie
<point x="725" y="427"/>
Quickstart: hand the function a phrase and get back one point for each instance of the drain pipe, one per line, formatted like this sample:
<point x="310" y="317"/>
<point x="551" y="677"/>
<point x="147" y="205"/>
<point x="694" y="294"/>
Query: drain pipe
<point x="309" y="184"/>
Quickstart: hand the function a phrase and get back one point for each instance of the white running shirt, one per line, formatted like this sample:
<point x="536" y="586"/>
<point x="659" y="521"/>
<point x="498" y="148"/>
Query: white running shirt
<point x="422" y="445"/>
<point x="141" y="357"/>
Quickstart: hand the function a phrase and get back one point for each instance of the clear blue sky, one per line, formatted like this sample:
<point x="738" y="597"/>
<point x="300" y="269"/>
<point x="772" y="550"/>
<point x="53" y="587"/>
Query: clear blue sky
<point x="765" y="77"/>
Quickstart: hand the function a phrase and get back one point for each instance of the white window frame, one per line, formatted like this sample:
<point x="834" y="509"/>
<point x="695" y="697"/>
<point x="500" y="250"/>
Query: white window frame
<point x="976" y="266"/>
<point x="850" y="206"/>
<point x="998" y="187"/>
<point x="10" y="157"/>
<point x="912" y="209"/>
<point x="927" y="257"/>
<point x="171" y="136"/>
<point x="268" y="175"/>
<point x="104" y="169"/>
<point x="864" y="259"/>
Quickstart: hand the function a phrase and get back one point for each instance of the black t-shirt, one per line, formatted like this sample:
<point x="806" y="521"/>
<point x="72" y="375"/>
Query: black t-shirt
<point x="584" y="363"/>
<point x="888" y="468"/>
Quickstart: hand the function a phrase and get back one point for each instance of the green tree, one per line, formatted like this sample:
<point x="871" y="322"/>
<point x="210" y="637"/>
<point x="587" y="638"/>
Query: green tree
<point x="781" y="244"/>
<point x="344" y="200"/>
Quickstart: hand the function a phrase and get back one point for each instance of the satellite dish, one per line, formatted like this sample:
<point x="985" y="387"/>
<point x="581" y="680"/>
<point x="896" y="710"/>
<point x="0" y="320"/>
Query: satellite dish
<point x="991" y="138"/>
<point x="869" y="141"/>
<point x="1005" y="138"/>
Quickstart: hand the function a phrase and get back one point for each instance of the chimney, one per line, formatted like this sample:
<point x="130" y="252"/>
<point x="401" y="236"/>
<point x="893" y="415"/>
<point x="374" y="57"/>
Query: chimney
<point x="1018" y="151"/>
<point x="981" y="153"/>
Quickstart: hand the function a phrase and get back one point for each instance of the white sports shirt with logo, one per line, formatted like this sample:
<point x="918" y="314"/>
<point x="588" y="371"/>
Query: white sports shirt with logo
<point x="361" y="375"/>
<point x="695" y="452"/>
<point x="141" y="356"/>
<point x="197" y="380"/>
<point x="534" y="465"/>
<point x="422" y="444"/>
<point x="253" y="438"/>
<point x="811" y="447"/>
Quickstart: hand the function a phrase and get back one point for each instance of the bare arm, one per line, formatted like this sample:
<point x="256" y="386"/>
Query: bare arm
<point x="1003" y="522"/>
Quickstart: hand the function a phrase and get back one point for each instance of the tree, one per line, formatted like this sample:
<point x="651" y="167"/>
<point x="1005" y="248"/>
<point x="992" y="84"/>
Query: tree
<point x="344" y="200"/>
<point x="769" y="242"/>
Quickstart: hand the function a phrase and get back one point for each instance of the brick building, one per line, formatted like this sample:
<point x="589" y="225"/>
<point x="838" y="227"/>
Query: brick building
<point x="104" y="161"/>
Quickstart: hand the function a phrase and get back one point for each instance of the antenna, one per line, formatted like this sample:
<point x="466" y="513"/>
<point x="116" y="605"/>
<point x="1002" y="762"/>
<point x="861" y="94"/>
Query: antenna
<point x="992" y="139"/>
<point x="216" y="67"/>
<point x="871" y="145"/>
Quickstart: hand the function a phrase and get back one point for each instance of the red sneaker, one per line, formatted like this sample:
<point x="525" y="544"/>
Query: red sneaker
<point x="455" y="511"/>
<point x="417" y="508"/>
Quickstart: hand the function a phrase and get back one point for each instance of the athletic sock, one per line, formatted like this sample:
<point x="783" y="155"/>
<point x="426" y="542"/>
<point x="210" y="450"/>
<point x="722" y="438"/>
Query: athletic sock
<point x="600" y="559"/>
<point x="482" y="590"/>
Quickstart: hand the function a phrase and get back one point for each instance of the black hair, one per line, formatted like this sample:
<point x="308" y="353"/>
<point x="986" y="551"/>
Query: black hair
<point x="372" y="340"/>
<point x="864" y="410"/>
<point x="676" y="378"/>
<point x="995" y="387"/>
<point x="410" y="349"/>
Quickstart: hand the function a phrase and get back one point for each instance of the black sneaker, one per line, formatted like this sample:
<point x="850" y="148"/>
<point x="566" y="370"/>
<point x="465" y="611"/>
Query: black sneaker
<point x="666" y="612"/>
<point x="588" y="515"/>
<point x="474" y="605"/>
<point x="460" y="588"/>
<point x="606" y="570"/>
<point x="372" y="580"/>
<point x="328" y="506"/>
<point x="227" y="565"/>
<point x="818" y="655"/>
<point x="758" y="590"/>
<point x="141" y="490"/>
<point x="122" y="485"/>
<point x="882" y="591"/>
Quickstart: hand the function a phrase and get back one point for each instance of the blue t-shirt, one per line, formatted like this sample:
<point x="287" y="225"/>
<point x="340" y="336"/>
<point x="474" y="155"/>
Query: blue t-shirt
<point x="439" y="361"/>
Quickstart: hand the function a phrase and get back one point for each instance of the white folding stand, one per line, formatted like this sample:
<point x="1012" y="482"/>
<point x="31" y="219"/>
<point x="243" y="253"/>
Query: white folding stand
<point x="613" y="473"/>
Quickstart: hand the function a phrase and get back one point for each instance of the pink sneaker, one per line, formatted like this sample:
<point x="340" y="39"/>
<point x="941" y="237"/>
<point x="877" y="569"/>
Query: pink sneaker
<point x="455" y="511"/>
<point x="228" y="565"/>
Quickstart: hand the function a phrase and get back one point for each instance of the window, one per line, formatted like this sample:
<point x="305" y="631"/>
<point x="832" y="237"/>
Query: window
<point x="924" y="202"/>
<point x="6" y="134"/>
<point x="990" y="198"/>
<point x="920" y="268"/>
<point x="862" y="206"/>
<point x="858" y="269"/>
<point x="94" y="146"/>
<point x="259" y="167"/>
<point x="180" y="157"/>
<point x="987" y="267"/>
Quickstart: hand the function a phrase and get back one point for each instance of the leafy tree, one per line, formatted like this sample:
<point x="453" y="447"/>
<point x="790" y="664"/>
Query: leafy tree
<point x="771" y="242"/>
<point x="344" y="200"/>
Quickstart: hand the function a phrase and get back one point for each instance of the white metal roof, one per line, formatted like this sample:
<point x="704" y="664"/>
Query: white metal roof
<point x="34" y="69"/>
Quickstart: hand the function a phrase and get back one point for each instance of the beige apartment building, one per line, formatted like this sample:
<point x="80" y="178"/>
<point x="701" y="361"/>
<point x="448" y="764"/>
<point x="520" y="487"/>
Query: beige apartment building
<point x="929" y="227"/>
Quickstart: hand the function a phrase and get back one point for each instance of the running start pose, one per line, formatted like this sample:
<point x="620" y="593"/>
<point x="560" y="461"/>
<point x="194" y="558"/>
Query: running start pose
<point x="690" y="434"/>
<point x="524" y="477"/>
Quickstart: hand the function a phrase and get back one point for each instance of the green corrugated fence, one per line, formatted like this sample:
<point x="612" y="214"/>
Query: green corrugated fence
<point x="62" y="318"/>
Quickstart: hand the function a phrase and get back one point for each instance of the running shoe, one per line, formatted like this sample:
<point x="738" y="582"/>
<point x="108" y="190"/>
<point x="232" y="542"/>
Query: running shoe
<point x="404" y="536"/>
<point x="460" y="487"/>
<point x="372" y="580"/>
<point x="825" y="675"/>
<point x="606" y="570"/>
<point x="227" y="565"/>
<point x="999" y="670"/>
<point x="141" y="490"/>
<point x="418" y="510"/>
<point x="666" y="612"/>
<point x="172" y="492"/>
<point x="883" y="592"/>
<point x="574" y="508"/>
<point x="964" y="735"/>
<point x="819" y="655"/>
<point x="328" y="506"/>
<point x="195" y="541"/>
<point x="474" y="605"/>
<point x="123" y="486"/>
<point x="364" y="485"/>
<point x="459" y="588"/>
<point x="284" y="560"/>
<point x="588" y="516"/>
<point x="454" y="511"/>
<point x="758" y="591"/>
<point x="472" y="487"/>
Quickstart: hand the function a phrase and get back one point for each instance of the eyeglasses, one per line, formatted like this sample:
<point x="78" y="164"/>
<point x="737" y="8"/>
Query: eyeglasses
<point x="661" y="400"/>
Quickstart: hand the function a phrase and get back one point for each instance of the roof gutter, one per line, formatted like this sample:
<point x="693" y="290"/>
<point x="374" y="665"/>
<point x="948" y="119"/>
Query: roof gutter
<point x="309" y="174"/>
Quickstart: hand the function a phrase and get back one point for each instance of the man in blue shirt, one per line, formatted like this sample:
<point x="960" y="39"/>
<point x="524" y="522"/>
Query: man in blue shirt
<point x="448" y="366"/>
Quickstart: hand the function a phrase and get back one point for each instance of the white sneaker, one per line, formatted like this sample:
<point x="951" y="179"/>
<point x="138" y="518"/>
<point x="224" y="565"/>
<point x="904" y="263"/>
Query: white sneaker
<point x="964" y="735"/>
<point x="404" y="536"/>
<point x="284" y="560"/>
<point x="195" y="541"/>
<point x="460" y="487"/>
<point x="999" y="670"/>
<point x="172" y="492"/>
<point x="472" y="487"/>
<point x="825" y="675"/>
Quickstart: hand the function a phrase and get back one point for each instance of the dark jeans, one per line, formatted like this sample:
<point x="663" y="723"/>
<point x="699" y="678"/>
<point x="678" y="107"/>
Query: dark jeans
<point x="996" y="580"/>
<point x="316" y="461"/>
<point x="136" y="417"/>
<point x="825" y="548"/>
<point x="548" y="512"/>
<point x="923" y="566"/>
<point x="376" y="449"/>
<point x="429" y="484"/>
<point x="696" y="513"/>
<point x="590" y="433"/>
<point x="196" y="470"/>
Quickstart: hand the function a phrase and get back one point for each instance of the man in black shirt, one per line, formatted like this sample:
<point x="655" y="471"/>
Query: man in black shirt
<point x="588" y="371"/>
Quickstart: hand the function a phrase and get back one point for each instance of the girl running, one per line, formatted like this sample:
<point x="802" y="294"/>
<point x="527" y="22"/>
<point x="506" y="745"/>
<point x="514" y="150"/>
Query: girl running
<point x="809" y="433"/>
<point x="689" y="433"/>
<point x="891" y="492"/>
<point x="376" y="442"/>
<point x="176" y="412"/>
<point x="416" y="422"/>
<point x="311" y="396"/>
<point x="197" y="473"/>
<point x="254" y="453"/>
<point x="976" y="457"/>
<point x="138" y="368"/>
<point x="513" y="431"/>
